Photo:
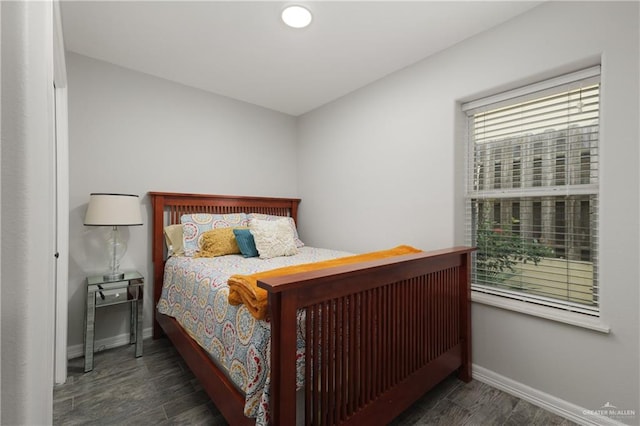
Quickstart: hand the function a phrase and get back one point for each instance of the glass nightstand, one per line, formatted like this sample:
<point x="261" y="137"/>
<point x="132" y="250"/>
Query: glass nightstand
<point x="100" y="293"/>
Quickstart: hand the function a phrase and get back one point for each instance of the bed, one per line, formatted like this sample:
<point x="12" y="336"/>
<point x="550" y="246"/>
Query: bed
<point x="378" y="334"/>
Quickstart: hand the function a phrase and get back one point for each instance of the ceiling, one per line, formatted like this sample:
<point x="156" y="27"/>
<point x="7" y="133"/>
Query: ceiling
<point x="242" y="50"/>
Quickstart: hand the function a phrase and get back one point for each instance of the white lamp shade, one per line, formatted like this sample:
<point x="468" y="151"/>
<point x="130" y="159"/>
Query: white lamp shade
<point x="113" y="210"/>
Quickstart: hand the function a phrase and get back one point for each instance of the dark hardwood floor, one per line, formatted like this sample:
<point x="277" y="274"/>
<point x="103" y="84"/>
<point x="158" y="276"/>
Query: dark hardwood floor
<point x="158" y="389"/>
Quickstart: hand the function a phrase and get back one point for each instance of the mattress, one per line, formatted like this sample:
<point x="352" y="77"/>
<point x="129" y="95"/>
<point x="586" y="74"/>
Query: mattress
<point x="195" y="293"/>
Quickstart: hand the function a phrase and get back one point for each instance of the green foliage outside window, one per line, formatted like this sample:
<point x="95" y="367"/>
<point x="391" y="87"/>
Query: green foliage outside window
<point x="500" y="250"/>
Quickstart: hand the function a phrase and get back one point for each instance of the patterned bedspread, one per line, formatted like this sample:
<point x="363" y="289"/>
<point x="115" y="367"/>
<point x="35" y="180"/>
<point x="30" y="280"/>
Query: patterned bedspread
<point x="195" y="293"/>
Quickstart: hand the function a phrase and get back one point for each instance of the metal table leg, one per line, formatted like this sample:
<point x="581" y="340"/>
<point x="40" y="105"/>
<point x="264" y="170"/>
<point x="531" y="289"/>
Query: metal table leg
<point x="89" y="327"/>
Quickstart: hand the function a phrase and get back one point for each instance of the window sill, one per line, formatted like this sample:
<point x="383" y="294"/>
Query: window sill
<point x="553" y="314"/>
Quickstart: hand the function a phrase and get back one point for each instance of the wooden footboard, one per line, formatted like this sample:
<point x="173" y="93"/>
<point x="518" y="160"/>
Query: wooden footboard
<point x="378" y="334"/>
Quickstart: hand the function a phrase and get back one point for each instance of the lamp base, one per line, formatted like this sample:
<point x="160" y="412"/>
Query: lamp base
<point x="113" y="276"/>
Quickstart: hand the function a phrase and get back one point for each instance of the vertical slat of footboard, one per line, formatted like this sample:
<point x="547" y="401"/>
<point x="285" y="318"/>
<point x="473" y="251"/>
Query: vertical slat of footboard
<point x="315" y="367"/>
<point x="324" y="379"/>
<point x="379" y="341"/>
<point x="339" y="374"/>
<point x="308" y="356"/>
<point x="366" y="347"/>
<point x="344" y="391"/>
<point x="386" y="308"/>
<point x="393" y="364"/>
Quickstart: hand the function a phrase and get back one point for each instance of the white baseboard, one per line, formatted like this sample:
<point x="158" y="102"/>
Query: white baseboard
<point x="76" y="351"/>
<point x="541" y="399"/>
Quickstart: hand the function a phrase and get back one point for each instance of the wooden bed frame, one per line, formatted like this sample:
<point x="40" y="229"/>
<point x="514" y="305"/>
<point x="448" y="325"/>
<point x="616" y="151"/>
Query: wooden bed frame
<point x="378" y="334"/>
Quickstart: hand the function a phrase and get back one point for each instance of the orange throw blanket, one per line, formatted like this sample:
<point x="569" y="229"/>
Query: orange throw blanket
<point x="244" y="288"/>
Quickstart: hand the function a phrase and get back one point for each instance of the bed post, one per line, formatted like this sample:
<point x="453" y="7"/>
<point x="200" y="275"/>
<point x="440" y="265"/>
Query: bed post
<point x="294" y="210"/>
<point x="283" y="357"/>
<point x="157" y="202"/>
<point x="464" y="373"/>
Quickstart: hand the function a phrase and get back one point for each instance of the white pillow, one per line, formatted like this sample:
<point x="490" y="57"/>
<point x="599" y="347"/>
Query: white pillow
<point x="273" y="237"/>
<point x="263" y="216"/>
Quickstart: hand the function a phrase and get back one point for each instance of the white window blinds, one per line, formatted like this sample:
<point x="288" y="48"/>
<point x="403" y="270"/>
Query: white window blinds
<point x="532" y="192"/>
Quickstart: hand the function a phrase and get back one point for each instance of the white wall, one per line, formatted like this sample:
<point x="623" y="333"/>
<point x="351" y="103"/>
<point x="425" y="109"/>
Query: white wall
<point x="133" y="133"/>
<point x="27" y="212"/>
<point x="384" y="165"/>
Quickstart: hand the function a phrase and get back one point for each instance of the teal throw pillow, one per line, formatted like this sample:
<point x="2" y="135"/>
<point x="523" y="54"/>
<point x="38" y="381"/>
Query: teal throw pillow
<point x="246" y="243"/>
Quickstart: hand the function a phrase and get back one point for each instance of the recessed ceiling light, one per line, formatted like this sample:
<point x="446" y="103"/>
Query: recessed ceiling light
<point x="296" y="16"/>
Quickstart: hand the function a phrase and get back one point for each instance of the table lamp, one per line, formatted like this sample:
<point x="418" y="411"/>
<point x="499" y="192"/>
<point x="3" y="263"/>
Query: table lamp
<point x="114" y="210"/>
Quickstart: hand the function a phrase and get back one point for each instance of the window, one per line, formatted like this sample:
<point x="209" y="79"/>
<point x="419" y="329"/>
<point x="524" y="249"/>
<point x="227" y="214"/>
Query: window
<point x="497" y="213"/>
<point x="585" y="167"/>
<point x="537" y="220"/>
<point x="537" y="164"/>
<point x="560" y="169"/>
<point x="516" y="167"/>
<point x="497" y="169"/>
<point x="560" y="229"/>
<point x="497" y="174"/>
<point x="532" y="192"/>
<point x="515" y="217"/>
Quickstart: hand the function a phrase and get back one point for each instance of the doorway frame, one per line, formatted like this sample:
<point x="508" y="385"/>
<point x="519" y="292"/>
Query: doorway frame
<point x="61" y="199"/>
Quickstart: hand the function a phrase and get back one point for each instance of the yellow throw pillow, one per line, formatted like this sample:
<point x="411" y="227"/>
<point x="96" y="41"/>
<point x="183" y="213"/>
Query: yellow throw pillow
<point x="217" y="242"/>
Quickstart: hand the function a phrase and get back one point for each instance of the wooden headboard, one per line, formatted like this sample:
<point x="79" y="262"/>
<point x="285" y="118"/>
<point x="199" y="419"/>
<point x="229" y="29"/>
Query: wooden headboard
<point x="167" y="208"/>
